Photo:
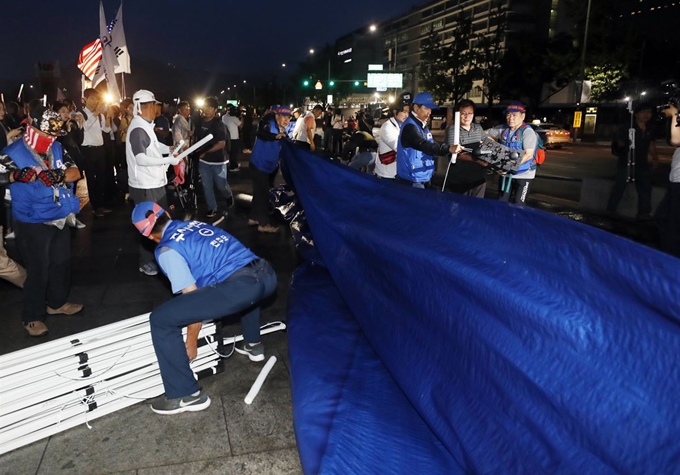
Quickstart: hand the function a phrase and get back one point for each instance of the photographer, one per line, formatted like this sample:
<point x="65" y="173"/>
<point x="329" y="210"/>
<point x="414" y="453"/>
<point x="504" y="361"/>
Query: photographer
<point x="668" y="213"/>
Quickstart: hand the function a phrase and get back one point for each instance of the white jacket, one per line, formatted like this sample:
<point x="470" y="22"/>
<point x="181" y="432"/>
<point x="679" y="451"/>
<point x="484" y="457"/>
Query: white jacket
<point x="147" y="170"/>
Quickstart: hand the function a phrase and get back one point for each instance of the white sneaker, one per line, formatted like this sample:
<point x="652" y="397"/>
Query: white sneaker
<point x="10" y="235"/>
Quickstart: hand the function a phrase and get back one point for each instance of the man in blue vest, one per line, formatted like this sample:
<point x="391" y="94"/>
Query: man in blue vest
<point x="43" y="207"/>
<point x="517" y="135"/>
<point x="217" y="276"/>
<point x="417" y="148"/>
<point x="264" y="164"/>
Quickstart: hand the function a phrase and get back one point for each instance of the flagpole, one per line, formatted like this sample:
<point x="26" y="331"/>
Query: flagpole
<point x="122" y="80"/>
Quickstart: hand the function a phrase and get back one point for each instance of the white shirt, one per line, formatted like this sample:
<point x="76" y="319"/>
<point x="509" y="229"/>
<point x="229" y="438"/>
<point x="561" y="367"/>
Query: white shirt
<point x="300" y="132"/>
<point x="675" y="167"/>
<point x="93" y="127"/>
<point x="232" y="123"/>
<point x="388" y="140"/>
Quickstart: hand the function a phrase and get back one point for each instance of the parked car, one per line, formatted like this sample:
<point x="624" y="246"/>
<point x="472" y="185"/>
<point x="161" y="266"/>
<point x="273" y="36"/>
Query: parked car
<point x="553" y="135"/>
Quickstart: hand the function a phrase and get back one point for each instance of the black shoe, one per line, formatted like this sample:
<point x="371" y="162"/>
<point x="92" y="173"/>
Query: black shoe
<point x="211" y="213"/>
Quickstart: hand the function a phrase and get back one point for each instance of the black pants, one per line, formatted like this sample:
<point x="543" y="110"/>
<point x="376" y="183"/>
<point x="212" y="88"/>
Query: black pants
<point x="262" y="183"/>
<point x="303" y="145"/>
<point x="157" y="195"/>
<point x="46" y="252"/>
<point x="110" y="190"/>
<point x="337" y="141"/>
<point x="121" y="168"/>
<point x="643" y="186"/>
<point x="94" y="166"/>
<point x="235" y="153"/>
<point x="667" y="218"/>
<point x="519" y="190"/>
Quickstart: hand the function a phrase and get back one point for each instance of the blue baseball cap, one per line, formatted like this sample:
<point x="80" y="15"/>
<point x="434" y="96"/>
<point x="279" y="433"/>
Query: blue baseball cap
<point x="515" y="106"/>
<point x="142" y="222"/>
<point x="425" y="99"/>
<point x="283" y="110"/>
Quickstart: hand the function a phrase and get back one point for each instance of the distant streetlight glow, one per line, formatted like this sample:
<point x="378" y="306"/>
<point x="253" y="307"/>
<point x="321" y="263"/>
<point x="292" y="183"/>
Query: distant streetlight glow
<point x="283" y="65"/>
<point x="311" y="51"/>
<point x="200" y="102"/>
<point x="222" y="91"/>
<point x="108" y="98"/>
<point x="391" y="99"/>
<point x="372" y="28"/>
<point x="644" y="93"/>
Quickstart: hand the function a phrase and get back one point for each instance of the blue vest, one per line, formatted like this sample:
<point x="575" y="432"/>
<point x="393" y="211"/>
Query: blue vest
<point x="211" y="253"/>
<point x="515" y="141"/>
<point x="414" y="165"/>
<point x="265" y="155"/>
<point x="35" y="202"/>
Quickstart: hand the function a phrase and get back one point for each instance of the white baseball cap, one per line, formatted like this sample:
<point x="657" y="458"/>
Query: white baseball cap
<point x="143" y="96"/>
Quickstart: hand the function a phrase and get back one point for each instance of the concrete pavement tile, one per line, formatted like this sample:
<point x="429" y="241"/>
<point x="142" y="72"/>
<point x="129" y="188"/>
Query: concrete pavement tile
<point x="24" y="460"/>
<point x="240" y="374"/>
<point x="134" y="438"/>
<point x="278" y="462"/>
<point x="149" y="289"/>
<point x="266" y="424"/>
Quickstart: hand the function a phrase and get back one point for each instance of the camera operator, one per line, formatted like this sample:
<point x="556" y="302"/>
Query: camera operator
<point x="668" y="213"/>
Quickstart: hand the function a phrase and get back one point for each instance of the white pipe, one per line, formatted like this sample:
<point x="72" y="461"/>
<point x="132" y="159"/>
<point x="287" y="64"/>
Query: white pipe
<point x="52" y="346"/>
<point x="456" y="134"/>
<point x="260" y="380"/>
<point x="98" y="359"/>
<point x="274" y="328"/>
<point x="195" y="146"/>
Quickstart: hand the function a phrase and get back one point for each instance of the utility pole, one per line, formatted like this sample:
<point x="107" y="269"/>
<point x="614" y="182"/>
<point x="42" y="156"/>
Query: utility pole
<point x="583" y="60"/>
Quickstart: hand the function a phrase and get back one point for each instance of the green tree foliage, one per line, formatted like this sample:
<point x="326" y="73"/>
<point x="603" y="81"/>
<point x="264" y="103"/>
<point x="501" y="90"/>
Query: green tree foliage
<point x="448" y="67"/>
<point x="606" y="79"/>
<point x="489" y="51"/>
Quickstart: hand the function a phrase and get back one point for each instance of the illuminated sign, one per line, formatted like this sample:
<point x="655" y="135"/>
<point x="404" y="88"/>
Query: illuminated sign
<point x="388" y="80"/>
<point x="375" y="67"/>
<point x="344" y="52"/>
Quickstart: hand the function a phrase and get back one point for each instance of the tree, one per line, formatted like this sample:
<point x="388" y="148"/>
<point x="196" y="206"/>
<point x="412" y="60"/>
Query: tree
<point x="489" y="50"/>
<point x="606" y="80"/>
<point x="448" y="67"/>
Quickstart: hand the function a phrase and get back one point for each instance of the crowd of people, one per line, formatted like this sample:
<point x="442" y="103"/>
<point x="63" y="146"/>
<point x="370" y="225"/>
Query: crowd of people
<point x="132" y="149"/>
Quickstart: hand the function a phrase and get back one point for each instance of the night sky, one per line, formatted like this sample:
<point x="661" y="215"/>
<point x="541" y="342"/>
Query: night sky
<point x="236" y="36"/>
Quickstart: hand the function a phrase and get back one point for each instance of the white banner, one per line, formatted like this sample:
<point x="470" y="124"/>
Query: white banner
<point x="119" y="44"/>
<point x="108" y="64"/>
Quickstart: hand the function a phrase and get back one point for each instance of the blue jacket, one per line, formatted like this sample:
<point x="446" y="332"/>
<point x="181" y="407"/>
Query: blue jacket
<point x="414" y="165"/>
<point x="35" y="202"/>
<point x="265" y="155"/>
<point x="211" y="253"/>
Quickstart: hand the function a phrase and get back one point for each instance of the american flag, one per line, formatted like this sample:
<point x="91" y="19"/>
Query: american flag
<point x="89" y="58"/>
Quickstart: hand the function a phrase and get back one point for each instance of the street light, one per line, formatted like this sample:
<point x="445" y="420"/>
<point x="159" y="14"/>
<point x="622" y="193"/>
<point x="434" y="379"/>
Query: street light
<point x="283" y="65"/>
<point x="372" y="28"/>
<point x="311" y="51"/>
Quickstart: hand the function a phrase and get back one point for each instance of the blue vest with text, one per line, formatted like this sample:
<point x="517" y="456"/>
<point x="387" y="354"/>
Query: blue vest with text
<point x="35" y="202"/>
<point x="414" y="165"/>
<point x="265" y="155"/>
<point x="515" y="141"/>
<point x="211" y="253"/>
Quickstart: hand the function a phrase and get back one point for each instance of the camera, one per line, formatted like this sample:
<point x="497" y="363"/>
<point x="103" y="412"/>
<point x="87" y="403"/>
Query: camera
<point x="669" y="94"/>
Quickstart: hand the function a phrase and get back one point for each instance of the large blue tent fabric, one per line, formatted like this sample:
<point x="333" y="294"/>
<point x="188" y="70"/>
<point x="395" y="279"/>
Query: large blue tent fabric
<point x="525" y="342"/>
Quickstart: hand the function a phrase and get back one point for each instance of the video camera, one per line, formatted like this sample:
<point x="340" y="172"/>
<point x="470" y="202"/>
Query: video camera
<point x="669" y="95"/>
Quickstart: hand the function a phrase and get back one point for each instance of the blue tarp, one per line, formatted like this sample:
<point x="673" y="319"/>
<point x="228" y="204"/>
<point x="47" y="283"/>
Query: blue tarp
<point x="525" y="342"/>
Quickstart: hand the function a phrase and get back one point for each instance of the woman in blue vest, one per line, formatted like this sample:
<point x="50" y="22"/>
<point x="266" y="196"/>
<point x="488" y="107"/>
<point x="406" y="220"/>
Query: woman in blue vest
<point x="43" y="207"/>
<point x="217" y="276"/>
<point x="417" y="148"/>
<point x="264" y="164"/>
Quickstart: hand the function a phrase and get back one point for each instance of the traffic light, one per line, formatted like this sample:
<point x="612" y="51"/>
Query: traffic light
<point x="332" y="83"/>
<point x="305" y="83"/>
<point x="356" y="83"/>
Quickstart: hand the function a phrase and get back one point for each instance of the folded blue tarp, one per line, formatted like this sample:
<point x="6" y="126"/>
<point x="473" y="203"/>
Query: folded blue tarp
<point x="527" y="343"/>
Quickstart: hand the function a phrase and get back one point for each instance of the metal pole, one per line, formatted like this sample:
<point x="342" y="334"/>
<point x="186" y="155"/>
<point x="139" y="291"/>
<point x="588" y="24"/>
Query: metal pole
<point x="583" y="55"/>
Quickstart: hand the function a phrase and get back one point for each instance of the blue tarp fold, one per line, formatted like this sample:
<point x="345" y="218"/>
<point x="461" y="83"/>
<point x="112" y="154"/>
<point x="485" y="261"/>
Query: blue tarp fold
<point x="525" y="342"/>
